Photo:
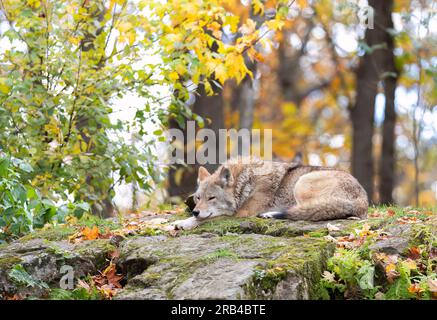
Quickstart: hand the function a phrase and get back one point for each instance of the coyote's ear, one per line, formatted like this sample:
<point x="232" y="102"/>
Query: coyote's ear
<point x="203" y="173"/>
<point x="225" y="177"/>
<point x="298" y="158"/>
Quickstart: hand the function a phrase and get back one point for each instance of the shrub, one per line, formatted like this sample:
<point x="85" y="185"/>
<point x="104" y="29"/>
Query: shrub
<point x="22" y="209"/>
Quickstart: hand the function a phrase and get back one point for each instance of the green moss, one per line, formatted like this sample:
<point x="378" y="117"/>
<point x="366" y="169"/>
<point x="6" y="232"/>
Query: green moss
<point x="7" y="262"/>
<point x="52" y="234"/>
<point x="423" y="234"/>
<point x="152" y="277"/>
<point x="58" y="251"/>
<point x="221" y="253"/>
<point x="90" y="221"/>
<point x="98" y="249"/>
<point x="224" y="225"/>
<point x="317" y="234"/>
<point x="304" y="258"/>
<point x="147" y="232"/>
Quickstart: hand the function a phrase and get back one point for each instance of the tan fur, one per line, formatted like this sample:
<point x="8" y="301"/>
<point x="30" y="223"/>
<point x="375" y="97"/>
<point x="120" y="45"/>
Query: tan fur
<point x="246" y="187"/>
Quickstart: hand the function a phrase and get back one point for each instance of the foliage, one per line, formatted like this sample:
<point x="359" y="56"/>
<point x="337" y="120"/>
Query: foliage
<point x="66" y="62"/>
<point x="19" y="275"/>
<point x="353" y="270"/>
<point x="21" y="206"/>
<point x="76" y="294"/>
<point x="356" y="272"/>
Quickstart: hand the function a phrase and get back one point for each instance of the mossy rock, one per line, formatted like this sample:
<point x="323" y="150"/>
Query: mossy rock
<point x="233" y="266"/>
<point x="280" y="228"/>
<point x="43" y="259"/>
<point x="52" y="234"/>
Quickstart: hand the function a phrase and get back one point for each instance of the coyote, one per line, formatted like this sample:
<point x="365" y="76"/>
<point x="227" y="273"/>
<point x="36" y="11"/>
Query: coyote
<point x="245" y="187"/>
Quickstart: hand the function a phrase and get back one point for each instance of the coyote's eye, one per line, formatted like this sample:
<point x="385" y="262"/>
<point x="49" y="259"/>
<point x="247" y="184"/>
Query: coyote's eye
<point x="211" y="198"/>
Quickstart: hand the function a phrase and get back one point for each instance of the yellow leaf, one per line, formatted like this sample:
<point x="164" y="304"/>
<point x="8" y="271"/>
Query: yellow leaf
<point x="208" y="88"/>
<point x="410" y="264"/>
<point x="390" y="268"/>
<point x="258" y="7"/>
<point x="275" y="24"/>
<point x="124" y="26"/>
<point x="173" y="76"/>
<point x="4" y="88"/>
<point x="221" y="73"/>
<point x="131" y="36"/>
<point x="232" y="22"/>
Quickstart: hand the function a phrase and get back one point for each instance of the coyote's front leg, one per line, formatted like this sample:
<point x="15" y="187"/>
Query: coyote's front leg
<point x="186" y="224"/>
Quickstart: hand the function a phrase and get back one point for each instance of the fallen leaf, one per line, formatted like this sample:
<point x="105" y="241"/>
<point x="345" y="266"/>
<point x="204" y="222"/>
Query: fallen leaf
<point x="107" y="291"/>
<point x="415" y="289"/>
<point x="329" y="276"/>
<point x="90" y="233"/>
<point x="390" y="212"/>
<point x="112" y="277"/>
<point x="332" y="227"/>
<point x="408" y="220"/>
<point x="390" y="267"/>
<point x="14" y="297"/>
<point x="432" y="284"/>
<point x="331" y="238"/>
<point x="410" y="264"/>
<point x="365" y="231"/>
<point x="414" y="253"/>
<point x="83" y="284"/>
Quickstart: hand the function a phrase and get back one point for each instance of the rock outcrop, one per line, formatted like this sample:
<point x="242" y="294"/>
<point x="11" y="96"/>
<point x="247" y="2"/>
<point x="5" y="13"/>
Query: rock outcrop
<point x="223" y="259"/>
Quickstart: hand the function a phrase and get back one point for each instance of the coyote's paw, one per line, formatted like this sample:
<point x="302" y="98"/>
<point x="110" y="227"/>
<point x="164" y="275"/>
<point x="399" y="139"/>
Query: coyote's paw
<point x="268" y="215"/>
<point x="273" y="215"/>
<point x="186" y="224"/>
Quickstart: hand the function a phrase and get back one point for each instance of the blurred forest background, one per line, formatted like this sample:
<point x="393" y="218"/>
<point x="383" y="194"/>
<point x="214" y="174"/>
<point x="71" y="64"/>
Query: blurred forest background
<point x="88" y="88"/>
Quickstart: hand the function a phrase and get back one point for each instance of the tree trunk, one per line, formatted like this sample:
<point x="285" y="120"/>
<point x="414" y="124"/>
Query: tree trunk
<point x="387" y="168"/>
<point x="210" y="108"/>
<point x="243" y="100"/>
<point x="369" y="74"/>
<point x="103" y="207"/>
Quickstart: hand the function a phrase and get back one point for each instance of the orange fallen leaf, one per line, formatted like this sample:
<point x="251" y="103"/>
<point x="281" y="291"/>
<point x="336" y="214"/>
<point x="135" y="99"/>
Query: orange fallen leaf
<point x="112" y="277"/>
<point x="414" y="288"/>
<point x="90" y="233"/>
<point x="408" y="220"/>
<point x="414" y="253"/>
<point x="390" y="213"/>
<point x="107" y="291"/>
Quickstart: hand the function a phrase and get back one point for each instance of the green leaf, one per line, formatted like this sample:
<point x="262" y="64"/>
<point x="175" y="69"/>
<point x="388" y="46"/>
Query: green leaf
<point x="20" y="276"/>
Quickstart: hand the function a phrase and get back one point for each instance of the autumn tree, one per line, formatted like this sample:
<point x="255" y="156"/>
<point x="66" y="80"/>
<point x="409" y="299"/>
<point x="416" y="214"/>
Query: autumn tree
<point x="66" y="62"/>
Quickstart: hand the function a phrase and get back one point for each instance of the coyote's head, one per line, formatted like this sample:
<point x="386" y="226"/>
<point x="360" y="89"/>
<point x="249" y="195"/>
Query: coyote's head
<point x="214" y="196"/>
